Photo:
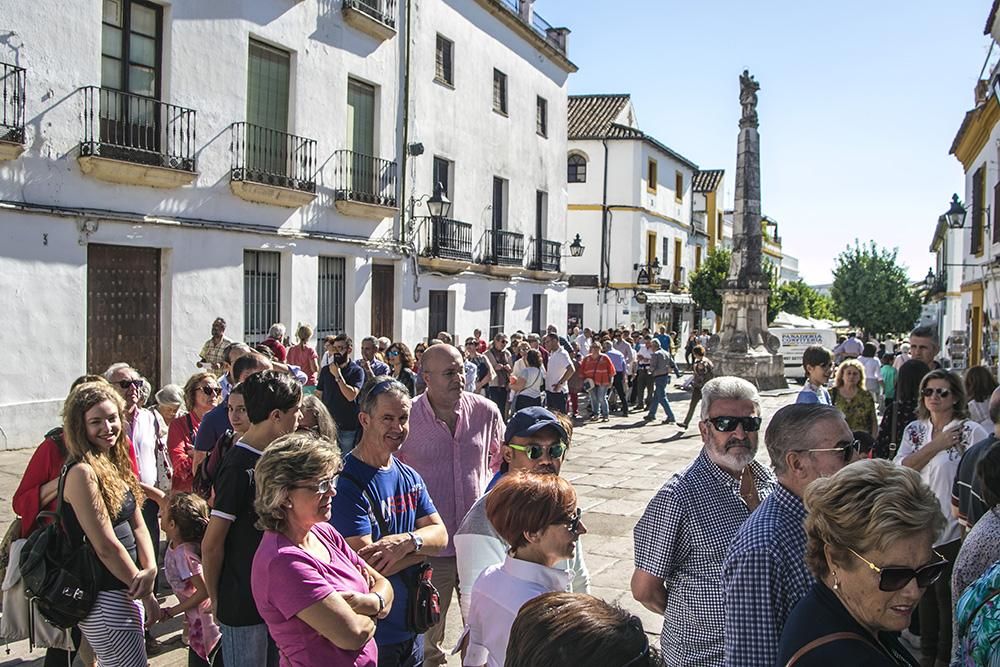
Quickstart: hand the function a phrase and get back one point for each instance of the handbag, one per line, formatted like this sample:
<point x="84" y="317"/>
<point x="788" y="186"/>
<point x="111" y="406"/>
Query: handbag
<point x="423" y="606"/>
<point x="13" y="534"/>
<point x="20" y="619"/>
<point x="59" y="576"/>
<point x="164" y="467"/>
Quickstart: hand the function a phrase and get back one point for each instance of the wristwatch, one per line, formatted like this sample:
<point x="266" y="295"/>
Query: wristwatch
<point x="418" y="542"/>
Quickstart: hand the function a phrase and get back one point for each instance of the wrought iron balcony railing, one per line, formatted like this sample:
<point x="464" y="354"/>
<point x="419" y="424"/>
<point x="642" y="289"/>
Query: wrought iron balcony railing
<point x="540" y="26"/>
<point x="12" y="103"/>
<point x="503" y="248"/>
<point x="135" y="128"/>
<point x="383" y="11"/>
<point x="544" y="255"/>
<point x="445" y="238"/>
<point x="365" y="179"/>
<point x="271" y="157"/>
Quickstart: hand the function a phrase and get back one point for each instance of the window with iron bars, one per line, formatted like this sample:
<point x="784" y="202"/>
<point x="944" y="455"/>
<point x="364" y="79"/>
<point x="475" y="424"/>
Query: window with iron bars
<point x="443" y="60"/>
<point x="330" y="311"/>
<point x="261" y="293"/>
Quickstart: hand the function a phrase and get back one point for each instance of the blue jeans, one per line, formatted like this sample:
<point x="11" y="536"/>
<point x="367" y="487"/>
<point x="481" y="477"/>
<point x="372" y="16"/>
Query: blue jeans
<point x="347" y="440"/>
<point x="660" y="398"/>
<point x="599" y="400"/>
<point x="248" y="645"/>
<point x="404" y="654"/>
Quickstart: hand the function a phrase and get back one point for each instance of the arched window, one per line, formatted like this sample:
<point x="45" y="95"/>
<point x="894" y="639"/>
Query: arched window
<point x="576" y="169"/>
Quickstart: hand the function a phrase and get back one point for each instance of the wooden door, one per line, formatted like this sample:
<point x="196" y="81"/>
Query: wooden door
<point x="383" y="299"/>
<point x="123" y="309"/>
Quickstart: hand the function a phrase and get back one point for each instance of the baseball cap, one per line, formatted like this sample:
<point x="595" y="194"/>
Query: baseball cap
<point x="531" y="420"/>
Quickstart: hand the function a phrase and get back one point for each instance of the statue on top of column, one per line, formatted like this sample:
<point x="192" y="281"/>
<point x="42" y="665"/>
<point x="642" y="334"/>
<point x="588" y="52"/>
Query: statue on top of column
<point x="748" y="99"/>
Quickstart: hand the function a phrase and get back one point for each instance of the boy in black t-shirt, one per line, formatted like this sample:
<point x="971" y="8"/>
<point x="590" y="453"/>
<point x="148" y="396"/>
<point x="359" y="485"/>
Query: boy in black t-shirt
<point x="230" y="542"/>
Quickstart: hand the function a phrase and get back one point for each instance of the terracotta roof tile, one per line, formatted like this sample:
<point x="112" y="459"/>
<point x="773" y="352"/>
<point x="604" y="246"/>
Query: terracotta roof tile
<point x="707" y="180"/>
<point x="591" y="116"/>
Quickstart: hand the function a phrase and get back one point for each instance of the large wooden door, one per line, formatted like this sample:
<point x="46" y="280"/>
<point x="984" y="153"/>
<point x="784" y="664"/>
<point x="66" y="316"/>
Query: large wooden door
<point x="383" y="299"/>
<point x="123" y="309"/>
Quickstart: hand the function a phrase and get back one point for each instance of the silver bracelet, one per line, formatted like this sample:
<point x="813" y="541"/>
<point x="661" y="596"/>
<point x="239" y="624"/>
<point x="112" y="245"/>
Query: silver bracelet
<point x="381" y="602"/>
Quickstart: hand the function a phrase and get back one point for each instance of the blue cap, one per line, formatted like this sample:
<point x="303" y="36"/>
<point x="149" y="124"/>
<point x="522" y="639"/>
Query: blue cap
<point x="531" y="420"/>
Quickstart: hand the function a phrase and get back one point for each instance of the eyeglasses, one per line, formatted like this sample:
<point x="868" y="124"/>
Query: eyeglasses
<point x="212" y="391"/>
<point x="323" y="486"/>
<point x="729" y="424"/>
<point x="894" y="578"/>
<point x="392" y="353"/>
<point x="573" y="522"/>
<point x="940" y="391"/>
<point x="125" y="384"/>
<point x="846" y="448"/>
<point x="535" y="451"/>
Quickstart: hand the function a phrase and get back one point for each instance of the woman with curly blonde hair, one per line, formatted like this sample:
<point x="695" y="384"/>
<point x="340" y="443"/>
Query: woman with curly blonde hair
<point x="103" y="502"/>
<point x="850" y="397"/>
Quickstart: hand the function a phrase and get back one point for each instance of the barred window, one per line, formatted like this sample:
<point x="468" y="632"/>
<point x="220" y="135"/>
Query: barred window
<point x="261" y="293"/>
<point x="443" y="63"/>
<point x="499" y="92"/>
<point x="330" y="312"/>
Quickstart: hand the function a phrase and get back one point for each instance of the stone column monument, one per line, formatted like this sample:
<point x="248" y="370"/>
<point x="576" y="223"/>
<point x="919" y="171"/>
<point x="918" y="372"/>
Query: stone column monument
<point x="743" y="347"/>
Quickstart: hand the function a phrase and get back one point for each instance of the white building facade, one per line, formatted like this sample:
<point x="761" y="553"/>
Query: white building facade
<point x="630" y="200"/>
<point x="163" y="164"/>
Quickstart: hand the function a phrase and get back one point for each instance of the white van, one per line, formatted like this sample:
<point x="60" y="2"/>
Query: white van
<point x="795" y="340"/>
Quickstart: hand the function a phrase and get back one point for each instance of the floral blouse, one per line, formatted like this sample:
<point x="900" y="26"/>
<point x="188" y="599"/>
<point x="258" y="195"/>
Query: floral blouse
<point x="858" y="411"/>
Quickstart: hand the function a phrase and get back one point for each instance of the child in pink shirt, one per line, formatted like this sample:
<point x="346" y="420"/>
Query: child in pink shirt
<point x="184" y="519"/>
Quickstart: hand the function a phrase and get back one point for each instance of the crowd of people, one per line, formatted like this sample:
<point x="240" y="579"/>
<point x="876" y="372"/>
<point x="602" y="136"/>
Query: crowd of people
<point x="328" y="509"/>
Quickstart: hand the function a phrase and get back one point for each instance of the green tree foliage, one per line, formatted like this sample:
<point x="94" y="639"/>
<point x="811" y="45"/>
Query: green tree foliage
<point x="871" y="290"/>
<point x="704" y="284"/>
<point x="797" y="298"/>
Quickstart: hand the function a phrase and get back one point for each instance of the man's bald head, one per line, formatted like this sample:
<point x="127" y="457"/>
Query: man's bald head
<point x="443" y="370"/>
<point x="440" y="355"/>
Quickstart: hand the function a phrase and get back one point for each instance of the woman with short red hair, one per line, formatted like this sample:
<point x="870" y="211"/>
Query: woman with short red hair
<point x="537" y="515"/>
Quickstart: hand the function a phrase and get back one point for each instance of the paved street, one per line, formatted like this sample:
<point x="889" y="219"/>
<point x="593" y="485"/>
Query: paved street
<point x="616" y="467"/>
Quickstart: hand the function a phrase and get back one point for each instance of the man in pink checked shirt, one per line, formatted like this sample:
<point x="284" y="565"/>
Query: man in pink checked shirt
<point x="454" y="444"/>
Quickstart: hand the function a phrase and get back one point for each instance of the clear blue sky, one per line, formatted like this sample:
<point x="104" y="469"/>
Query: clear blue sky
<point x="859" y="103"/>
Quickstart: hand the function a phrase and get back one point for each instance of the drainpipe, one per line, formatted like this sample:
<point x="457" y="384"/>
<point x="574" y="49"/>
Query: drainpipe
<point x="404" y="153"/>
<point x="605" y="268"/>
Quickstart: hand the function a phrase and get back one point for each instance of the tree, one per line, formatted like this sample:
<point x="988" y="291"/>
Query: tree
<point x="797" y="298"/>
<point x="705" y="283"/>
<point x="872" y="291"/>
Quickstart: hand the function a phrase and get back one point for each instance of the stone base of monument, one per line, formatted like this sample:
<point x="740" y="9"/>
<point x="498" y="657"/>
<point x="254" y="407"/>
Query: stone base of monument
<point x="744" y="347"/>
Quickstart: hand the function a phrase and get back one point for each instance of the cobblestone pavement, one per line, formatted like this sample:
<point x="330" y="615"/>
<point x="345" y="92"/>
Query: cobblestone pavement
<point x="616" y="467"/>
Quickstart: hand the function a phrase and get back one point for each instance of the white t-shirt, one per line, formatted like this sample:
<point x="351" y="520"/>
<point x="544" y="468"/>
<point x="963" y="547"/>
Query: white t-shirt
<point x="873" y="369"/>
<point x="497" y="596"/>
<point x="143" y="436"/>
<point x="940" y="471"/>
<point x="533" y="379"/>
<point x="559" y="361"/>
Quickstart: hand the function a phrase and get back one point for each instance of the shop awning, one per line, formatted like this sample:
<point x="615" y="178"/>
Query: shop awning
<point x="668" y="299"/>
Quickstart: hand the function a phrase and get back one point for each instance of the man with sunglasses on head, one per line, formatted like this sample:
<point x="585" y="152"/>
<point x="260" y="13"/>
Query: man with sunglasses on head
<point x="383" y="510"/>
<point x="765" y="575"/>
<point x="682" y="537"/>
<point x="535" y="440"/>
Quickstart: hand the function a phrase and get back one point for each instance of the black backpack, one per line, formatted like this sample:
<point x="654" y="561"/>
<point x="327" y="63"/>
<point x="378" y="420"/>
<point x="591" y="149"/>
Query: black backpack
<point x="60" y="576"/>
<point x="204" y="476"/>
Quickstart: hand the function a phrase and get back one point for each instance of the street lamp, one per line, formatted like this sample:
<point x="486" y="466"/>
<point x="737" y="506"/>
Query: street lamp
<point x="439" y="206"/>
<point x="654" y="270"/>
<point x="930" y="279"/>
<point x="955" y="216"/>
<point x="576" y="248"/>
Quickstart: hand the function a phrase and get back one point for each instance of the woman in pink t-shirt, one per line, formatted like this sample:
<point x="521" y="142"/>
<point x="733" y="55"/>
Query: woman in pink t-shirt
<point x="304" y="356"/>
<point x="319" y="599"/>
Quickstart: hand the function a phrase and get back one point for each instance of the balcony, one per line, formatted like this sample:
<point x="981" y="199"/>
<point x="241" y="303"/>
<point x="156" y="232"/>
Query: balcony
<point x="365" y="186"/>
<point x="272" y="167"/>
<point x="503" y="249"/>
<point x="136" y="140"/>
<point x="376" y="18"/>
<point x="444" y="243"/>
<point x="543" y="255"/>
<point x="12" y="80"/>
<point x="525" y="11"/>
<point x="699" y="224"/>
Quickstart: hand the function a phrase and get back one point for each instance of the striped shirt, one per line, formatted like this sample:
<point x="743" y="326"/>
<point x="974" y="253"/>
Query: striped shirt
<point x="763" y="578"/>
<point x="456" y="468"/>
<point x="682" y="538"/>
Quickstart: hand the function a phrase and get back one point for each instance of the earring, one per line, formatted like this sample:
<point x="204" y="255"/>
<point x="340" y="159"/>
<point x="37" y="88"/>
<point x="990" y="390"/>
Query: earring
<point x="836" y="582"/>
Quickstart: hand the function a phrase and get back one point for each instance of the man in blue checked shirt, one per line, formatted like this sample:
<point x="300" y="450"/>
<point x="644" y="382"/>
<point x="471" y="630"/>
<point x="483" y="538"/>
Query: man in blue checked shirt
<point x="764" y="574"/>
<point x="682" y="537"/>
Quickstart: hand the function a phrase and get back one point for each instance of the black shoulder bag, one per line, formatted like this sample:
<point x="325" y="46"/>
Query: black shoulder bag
<point x="423" y="609"/>
<point x="60" y="577"/>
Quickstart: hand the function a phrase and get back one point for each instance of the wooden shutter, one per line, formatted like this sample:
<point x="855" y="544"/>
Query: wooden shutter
<point x="978" y="190"/>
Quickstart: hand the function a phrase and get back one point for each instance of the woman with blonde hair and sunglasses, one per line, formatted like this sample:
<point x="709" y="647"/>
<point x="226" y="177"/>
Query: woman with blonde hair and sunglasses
<point x="103" y="501"/>
<point x="850" y="397"/>
<point x="933" y="445"/>
<point x="870" y="530"/>
<point x="201" y="394"/>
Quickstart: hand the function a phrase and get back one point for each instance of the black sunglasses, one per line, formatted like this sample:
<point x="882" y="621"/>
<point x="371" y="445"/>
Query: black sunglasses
<point x="894" y="578"/>
<point x="125" y="384"/>
<point x="848" y="449"/>
<point x="573" y="522"/>
<point x="940" y="391"/>
<point x="536" y="451"/>
<point x="212" y="391"/>
<point x="729" y="424"/>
